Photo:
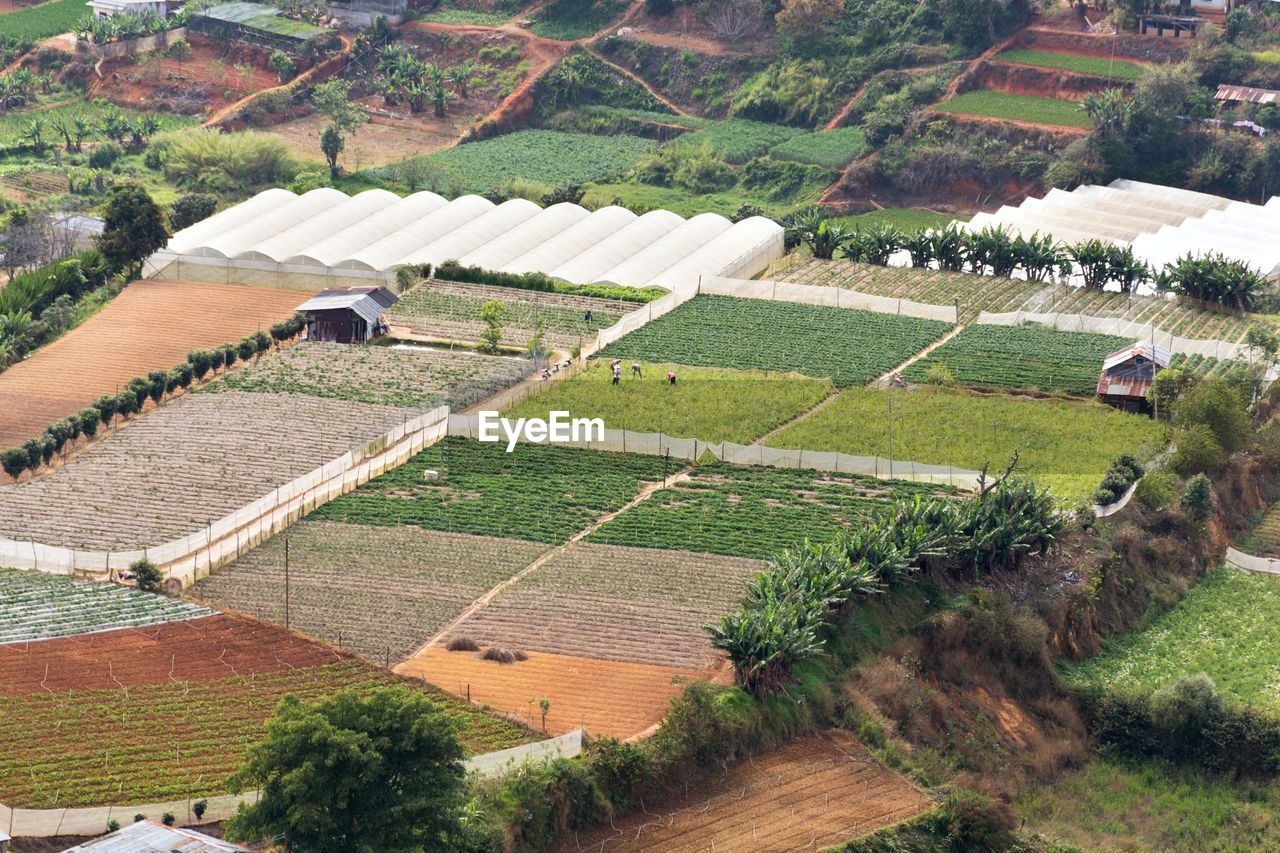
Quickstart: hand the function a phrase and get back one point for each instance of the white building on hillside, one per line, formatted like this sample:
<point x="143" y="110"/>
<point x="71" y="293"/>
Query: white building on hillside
<point x="111" y="8"/>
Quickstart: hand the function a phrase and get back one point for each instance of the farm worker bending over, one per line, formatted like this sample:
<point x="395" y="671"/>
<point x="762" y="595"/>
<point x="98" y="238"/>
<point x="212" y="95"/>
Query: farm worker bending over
<point x="671" y="377"/>
<point x="617" y="373"/>
<point x="635" y="371"/>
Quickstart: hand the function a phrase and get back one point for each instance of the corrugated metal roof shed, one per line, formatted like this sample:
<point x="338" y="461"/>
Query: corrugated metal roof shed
<point x="1144" y="349"/>
<point x="369" y="303"/>
<point x="1246" y="93"/>
<point x="147" y="836"/>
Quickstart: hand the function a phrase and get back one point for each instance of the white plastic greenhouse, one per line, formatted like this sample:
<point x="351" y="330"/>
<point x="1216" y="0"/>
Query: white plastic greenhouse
<point x="1160" y="223"/>
<point x="328" y="233"/>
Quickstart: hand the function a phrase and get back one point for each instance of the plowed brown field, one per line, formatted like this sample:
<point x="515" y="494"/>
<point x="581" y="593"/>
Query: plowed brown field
<point x="193" y="650"/>
<point x="811" y="794"/>
<point x="608" y="698"/>
<point x="151" y="325"/>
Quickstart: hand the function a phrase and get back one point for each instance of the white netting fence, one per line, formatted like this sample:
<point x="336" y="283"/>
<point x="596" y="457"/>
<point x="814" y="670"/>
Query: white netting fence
<point x="1115" y="326"/>
<point x="1250" y="563"/>
<point x="193" y="556"/>
<point x="830" y="297"/>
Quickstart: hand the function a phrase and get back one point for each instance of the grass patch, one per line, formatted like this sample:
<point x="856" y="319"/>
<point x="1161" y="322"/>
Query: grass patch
<point x="748" y="511"/>
<point x="1066" y="445"/>
<point x="539" y="493"/>
<point x="739" y="140"/>
<point x="848" y="347"/>
<point x="1029" y="356"/>
<point x="574" y="22"/>
<point x="472" y="17"/>
<point x="1092" y="65"/>
<point x="546" y="156"/>
<point x="687" y="203"/>
<point x="40" y="22"/>
<point x="706" y="403"/>
<point x="1228" y="626"/>
<point x="833" y="149"/>
<point x="905" y="219"/>
<point x="1123" y="805"/>
<point x="1031" y="108"/>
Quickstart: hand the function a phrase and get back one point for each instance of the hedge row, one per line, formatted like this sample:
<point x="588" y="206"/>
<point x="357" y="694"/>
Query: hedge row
<point x="1122" y="474"/>
<point x="454" y="271"/>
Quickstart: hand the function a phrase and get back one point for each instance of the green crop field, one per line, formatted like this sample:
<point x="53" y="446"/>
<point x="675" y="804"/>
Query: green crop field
<point x="540" y="493"/>
<point x="545" y="156"/>
<point x="40" y="22"/>
<point x="748" y="511"/>
<point x="581" y="21"/>
<point x="1228" y="627"/>
<point x="687" y="203"/>
<point x="1263" y="539"/>
<point x="849" y="347"/>
<point x="833" y="149"/>
<point x="1066" y="445"/>
<point x="13" y="126"/>
<point x="706" y="403"/>
<point x="461" y="308"/>
<point x="1022" y="357"/>
<point x="1031" y="108"/>
<point x="739" y="139"/>
<point x="1092" y="65"/>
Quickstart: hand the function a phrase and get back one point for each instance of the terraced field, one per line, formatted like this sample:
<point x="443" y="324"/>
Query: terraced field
<point x="451" y="310"/>
<point x="185" y="464"/>
<point x="38" y="606"/>
<point x="538" y="493"/>
<point x="379" y="591"/>
<point x="1093" y="66"/>
<point x="411" y="377"/>
<point x="754" y="512"/>
<point x="1022" y="357"/>
<point x="148" y="716"/>
<point x="988" y="103"/>
<point x="625" y="604"/>
<point x="849" y="347"/>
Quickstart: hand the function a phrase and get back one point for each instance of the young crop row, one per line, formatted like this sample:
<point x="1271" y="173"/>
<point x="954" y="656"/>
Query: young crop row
<point x="444" y="312"/>
<point x="1169" y="315"/>
<point x="387" y="606"/>
<point x="539" y="493"/>
<point x="42" y="21"/>
<point x="174" y="740"/>
<point x="756" y="512"/>
<point x="739" y="140"/>
<point x="1063" y="444"/>
<point x="1094" y="66"/>
<point x="1027" y="356"/>
<point x="37" y="606"/>
<point x="849" y="347"/>
<point x="1014" y="107"/>
<point x="706" y="403"/>
<point x="833" y="149"/>
<point x="411" y="377"/>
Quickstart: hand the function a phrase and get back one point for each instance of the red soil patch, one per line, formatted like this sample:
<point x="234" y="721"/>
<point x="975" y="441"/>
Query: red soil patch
<point x="151" y="325"/>
<point x="1042" y="82"/>
<point x="202" y="649"/>
<point x="607" y="697"/>
<point x="215" y="74"/>
<point x="811" y="794"/>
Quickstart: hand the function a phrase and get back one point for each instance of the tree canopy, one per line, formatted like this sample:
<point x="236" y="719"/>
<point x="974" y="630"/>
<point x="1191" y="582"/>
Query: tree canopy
<point x="134" y="227"/>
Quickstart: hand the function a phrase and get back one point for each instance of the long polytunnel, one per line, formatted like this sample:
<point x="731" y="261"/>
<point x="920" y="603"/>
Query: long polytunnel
<point x="532" y="232"/>
<point x="374" y="232"/>
<point x="572" y="241"/>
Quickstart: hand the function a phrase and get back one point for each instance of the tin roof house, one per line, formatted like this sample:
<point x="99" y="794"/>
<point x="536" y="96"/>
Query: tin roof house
<point x="1127" y="375"/>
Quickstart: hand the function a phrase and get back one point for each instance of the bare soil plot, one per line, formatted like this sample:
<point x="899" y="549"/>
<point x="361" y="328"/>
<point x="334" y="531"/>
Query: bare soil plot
<point x="385" y="590"/>
<point x="607" y="697"/>
<point x="811" y="794"/>
<point x="151" y="325"/>
<point x="378" y="143"/>
<point x="187" y="463"/>
<point x="626" y="604"/>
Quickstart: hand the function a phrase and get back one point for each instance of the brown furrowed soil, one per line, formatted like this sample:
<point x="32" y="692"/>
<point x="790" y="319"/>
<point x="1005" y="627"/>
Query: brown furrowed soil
<point x="637" y="605"/>
<point x="811" y="794"/>
<point x="191" y="461"/>
<point x="608" y="698"/>
<point x="378" y="590"/>
<point x="151" y="325"/>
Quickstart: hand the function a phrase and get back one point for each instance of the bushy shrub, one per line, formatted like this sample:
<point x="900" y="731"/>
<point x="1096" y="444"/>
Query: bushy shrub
<point x="1197" y="498"/>
<point x="213" y="162"/>
<point x="104" y="155"/>
<point x="1157" y="489"/>
<point x="190" y="209"/>
<point x="1195" y="451"/>
<point x="146" y="575"/>
<point x="1219" y="405"/>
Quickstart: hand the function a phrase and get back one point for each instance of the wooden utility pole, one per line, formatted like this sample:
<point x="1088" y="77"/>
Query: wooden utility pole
<point x="286" y="582"/>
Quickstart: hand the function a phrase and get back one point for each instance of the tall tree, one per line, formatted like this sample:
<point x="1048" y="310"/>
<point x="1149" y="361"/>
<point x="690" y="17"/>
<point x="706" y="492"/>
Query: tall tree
<point x="133" y="228"/>
<point x="333" y="100"/>
<point x="380" y="772"/>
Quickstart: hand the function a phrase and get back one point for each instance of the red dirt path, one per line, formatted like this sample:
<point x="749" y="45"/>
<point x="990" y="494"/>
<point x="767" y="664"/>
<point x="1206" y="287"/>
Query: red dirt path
<point x="151" y="325"/>
<point x="193" y="650"/>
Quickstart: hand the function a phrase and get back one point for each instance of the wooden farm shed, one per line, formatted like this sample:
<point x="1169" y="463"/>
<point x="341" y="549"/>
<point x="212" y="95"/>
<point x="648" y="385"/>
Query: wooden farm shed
<point x="347" y="315"/>
<point x="1127" y="375"/>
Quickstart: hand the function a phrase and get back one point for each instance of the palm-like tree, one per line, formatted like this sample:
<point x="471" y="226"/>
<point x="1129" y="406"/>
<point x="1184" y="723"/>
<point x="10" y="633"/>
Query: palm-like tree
<point x="440" y="97"/>
<point x="35" y="133"/>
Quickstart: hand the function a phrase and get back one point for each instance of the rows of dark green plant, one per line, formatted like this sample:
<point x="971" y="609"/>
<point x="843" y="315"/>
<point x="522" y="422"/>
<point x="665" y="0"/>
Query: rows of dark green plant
<point x="156" y="385"/>
<point x="407" y="275"/>
<point x="999" y="252"/>
<point x="788" y="606"/>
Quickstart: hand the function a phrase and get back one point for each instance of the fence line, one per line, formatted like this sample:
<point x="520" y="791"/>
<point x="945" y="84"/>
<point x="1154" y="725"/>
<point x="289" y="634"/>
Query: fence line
<point x="831" y="297"/>
<point x="43" y="823"/>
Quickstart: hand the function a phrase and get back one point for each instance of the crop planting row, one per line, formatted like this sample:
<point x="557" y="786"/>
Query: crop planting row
<point x="1027" y="356"/>
<point x="707" y="403"/>
<point x="454" y="311"/>
<point x="1066" y="445"/>
<point x="408" y="376"/>
<point x="173" y="740"/>
<point x="739" y="140"/>
<point x="1201" y="365"/>
<point x="627" y="604"/>
<point x="1172" y="316"/>
<point x="1009" y="106"/>
<point x="184" y="465"/>
<point x="749" y="511"/>
<point x="539" y="493"/>
<point x="38" y="606"/>
<point x="1228" y="626"/>
<point x="1094" y="66"/>
<point x="40" y="22"/>
<point x="388" y="604"/>
<point x="833" y="149"/>
<point x="849" y="347"/>
<point x="972" y="293"/>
